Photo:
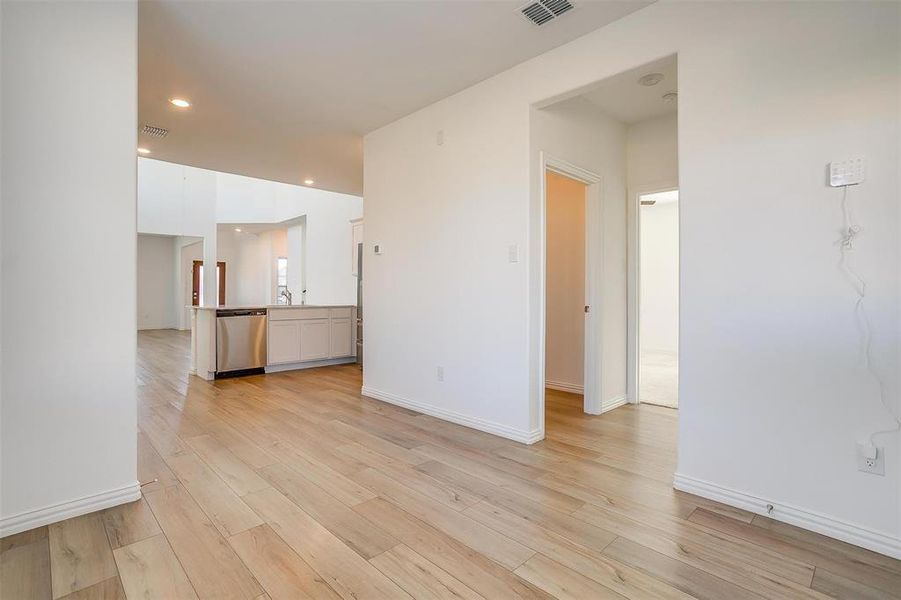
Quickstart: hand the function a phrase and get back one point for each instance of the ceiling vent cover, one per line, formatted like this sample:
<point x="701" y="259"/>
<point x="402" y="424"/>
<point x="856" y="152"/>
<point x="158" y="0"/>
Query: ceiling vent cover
<point x="154" y="131"/>
<point x="543" y="11"/>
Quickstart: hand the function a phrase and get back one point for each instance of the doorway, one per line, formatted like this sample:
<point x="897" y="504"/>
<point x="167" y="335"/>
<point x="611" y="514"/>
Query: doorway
<point x="571" y="270"/>
<point x="655" y="339"/>
<point x="197" y="282"/>
<point x="565" y="303"/>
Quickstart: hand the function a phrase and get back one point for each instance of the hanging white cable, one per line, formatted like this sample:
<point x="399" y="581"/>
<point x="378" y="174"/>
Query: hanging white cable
<point x="846" y="245"/>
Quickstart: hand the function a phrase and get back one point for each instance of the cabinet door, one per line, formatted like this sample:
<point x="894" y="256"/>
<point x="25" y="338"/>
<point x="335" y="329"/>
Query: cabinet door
<point x="284" y="342"/>
<point x="314" y="339"/>
<point x="341" y="338"/>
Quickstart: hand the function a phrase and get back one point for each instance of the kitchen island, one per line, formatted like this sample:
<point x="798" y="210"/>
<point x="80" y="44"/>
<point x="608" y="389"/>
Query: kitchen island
<point x="296" y="337"/>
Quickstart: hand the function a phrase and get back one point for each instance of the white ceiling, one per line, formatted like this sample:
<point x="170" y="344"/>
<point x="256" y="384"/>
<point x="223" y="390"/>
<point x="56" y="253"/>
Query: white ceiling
<point x="624" y="99"/>
<point x="286" y="90"/>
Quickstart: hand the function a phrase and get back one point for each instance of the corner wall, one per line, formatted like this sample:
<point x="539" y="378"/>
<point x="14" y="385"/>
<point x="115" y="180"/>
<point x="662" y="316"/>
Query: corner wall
<point x="770" y="364"/>
<point x="69" y="121"/>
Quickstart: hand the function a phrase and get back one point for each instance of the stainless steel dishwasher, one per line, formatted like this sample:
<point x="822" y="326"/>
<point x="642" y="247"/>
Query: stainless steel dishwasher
<point x="240" y="340"/>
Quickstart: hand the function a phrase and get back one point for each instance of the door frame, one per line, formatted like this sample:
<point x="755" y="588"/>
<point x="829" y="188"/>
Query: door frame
<point x="633" y="280"/>
<point x="594" y="266"/>
<point x="195" y="281"/>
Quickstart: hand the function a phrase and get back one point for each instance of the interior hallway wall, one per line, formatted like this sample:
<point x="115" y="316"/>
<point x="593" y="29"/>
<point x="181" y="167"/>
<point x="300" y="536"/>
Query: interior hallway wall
<point x="659" y="306"/>
<point x="156" y="282"/>
<point x="68" y="433"/>
<point x="565" y="283"/>
<point x="652" y="153"/>
<point x="770" y="350"/>
<point x="577" y="132"/>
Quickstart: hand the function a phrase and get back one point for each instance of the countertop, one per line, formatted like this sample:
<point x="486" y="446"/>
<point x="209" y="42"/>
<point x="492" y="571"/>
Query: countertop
<point x="269" y="306"/>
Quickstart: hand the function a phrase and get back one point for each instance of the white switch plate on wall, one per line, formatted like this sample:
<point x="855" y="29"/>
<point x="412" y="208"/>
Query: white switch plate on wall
<point x="847" y="172"/>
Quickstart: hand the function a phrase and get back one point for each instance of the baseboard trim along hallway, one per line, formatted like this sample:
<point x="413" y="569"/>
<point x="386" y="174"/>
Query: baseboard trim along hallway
<point x="793" y="515"/>
<point x="561" y="386"/>
<point x="517" y="435"/>
<point x="67" y="510"/>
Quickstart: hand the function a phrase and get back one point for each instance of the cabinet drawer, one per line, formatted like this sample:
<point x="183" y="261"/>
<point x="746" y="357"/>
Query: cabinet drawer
<point x="288" y="314"/>
<point x="341" y="313"/>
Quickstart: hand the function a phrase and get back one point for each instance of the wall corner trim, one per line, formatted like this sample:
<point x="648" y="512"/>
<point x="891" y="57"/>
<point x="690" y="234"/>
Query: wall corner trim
<point x="876" y="541"/>
<point x="518" y="435"/>
<point x="66" y="510"/>
<point x="611" y="403"/>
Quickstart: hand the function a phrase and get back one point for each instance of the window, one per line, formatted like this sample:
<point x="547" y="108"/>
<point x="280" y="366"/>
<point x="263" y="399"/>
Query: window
<point x="281" y="280"/>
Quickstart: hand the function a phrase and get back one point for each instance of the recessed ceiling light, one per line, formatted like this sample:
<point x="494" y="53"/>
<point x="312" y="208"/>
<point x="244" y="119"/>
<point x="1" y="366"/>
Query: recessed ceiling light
<point x="238" y="229"/>
<point x="143" y="151"/>
<point x="650" y="79"/>
<point x="670" y="96"/>
<point x="179" y="102"/>
<point x="308" y="181"/>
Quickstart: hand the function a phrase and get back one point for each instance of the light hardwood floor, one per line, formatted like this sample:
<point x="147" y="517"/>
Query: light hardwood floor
<point x="294" y="486"/>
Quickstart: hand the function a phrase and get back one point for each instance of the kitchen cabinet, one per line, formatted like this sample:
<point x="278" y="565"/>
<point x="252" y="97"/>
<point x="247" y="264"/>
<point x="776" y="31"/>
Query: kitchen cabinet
<point x="314" y="339"/>
<point x="341" y="338"/>
<point x="310" y="334"/>
<point x="284" y="342"/>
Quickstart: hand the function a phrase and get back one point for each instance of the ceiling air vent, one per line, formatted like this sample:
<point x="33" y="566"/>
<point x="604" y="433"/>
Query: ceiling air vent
<point x="543" y="11"/>
<point x="154" y="131"/>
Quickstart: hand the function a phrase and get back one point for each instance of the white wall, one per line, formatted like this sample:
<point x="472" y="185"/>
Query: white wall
<point x="769" y="351"/>
<point x="652" y="154"/>
<point x="156" y="282"/>
<point x="68" y="321"/>
<point x="659" y="274"/>
<point x="652" y="163"/>
<point x="565" y="332"/>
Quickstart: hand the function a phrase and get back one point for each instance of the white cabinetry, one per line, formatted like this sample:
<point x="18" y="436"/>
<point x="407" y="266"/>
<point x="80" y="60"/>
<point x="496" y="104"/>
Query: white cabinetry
<point x="314" y="339"/>
<point x="341" y="338"/>
<point x="284" y="342"/>
<point x="310" y="335"/>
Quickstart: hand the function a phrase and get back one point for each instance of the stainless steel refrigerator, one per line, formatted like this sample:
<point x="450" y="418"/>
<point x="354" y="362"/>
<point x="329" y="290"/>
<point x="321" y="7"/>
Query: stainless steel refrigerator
<point x="360" y="304"/>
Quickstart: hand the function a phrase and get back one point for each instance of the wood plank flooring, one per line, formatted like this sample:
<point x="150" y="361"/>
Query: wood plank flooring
<point x="292" y="485"/>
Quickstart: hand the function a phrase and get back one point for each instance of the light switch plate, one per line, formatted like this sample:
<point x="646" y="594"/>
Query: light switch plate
<point x="513" y="253"/>
<point x="847" y="172"/>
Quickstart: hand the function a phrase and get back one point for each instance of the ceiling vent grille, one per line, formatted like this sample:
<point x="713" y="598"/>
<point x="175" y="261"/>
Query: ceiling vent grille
<point x="543" y="11"/>
<point x="154" y="131"/>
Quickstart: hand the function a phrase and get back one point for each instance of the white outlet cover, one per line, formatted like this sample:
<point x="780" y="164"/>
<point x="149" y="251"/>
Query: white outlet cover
<point x="878" y="466"/>
<point x="847" y="172"/>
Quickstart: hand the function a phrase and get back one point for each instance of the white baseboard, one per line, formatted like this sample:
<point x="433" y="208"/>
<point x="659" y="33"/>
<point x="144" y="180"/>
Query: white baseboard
<point x="561" y="386"/>
<point x="612" y="403"/>
<point x="66" y="510"/>
<point x="793" y="515"/>
<point x="518" y="435"/>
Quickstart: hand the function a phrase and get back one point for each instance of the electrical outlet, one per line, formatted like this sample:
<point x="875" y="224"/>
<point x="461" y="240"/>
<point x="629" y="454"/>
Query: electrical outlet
<point x="869" y="461"/>
<point x="439" y="373"/>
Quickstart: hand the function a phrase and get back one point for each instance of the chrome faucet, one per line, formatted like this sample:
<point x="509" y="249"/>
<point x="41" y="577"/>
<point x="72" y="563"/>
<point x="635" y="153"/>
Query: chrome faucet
<point x="288" y="295"/>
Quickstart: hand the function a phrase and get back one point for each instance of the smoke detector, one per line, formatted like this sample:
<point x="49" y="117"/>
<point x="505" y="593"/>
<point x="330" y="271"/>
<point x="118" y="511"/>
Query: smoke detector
<point x="650" y="79"/>
<point x="154" y="131"/>
<point x="544" y="11"/>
